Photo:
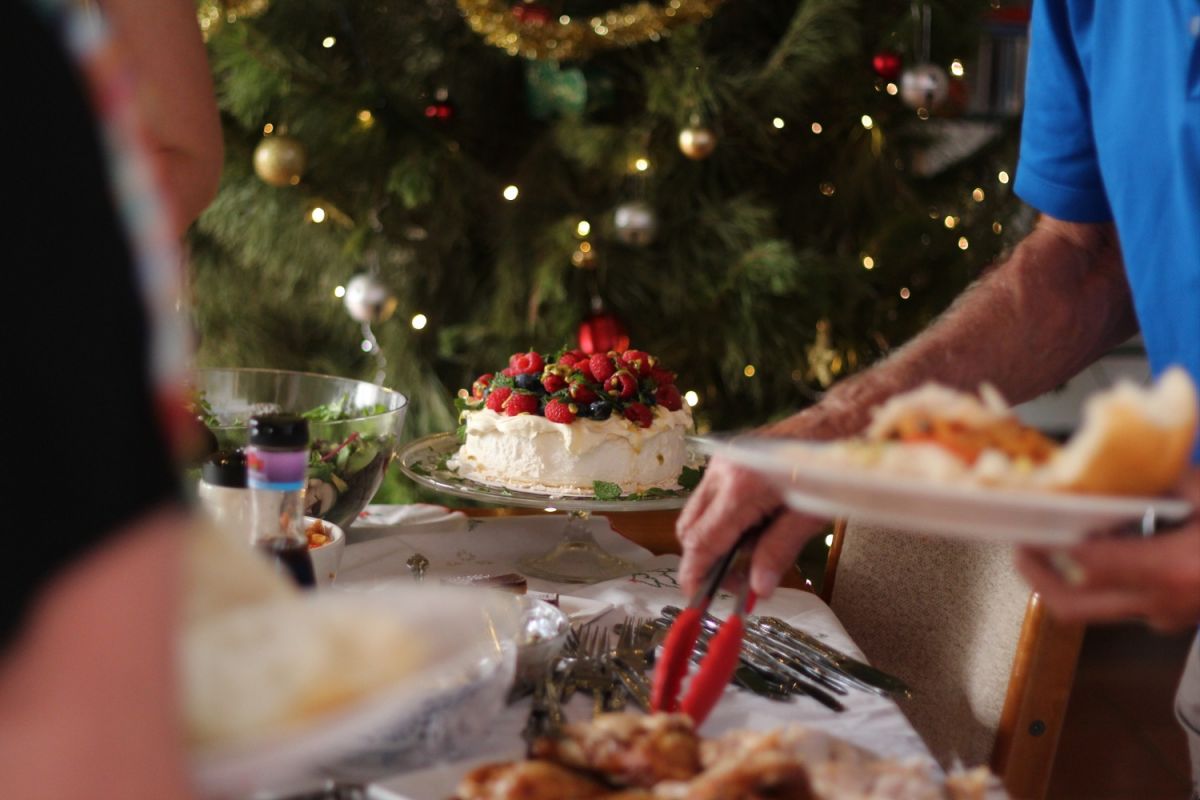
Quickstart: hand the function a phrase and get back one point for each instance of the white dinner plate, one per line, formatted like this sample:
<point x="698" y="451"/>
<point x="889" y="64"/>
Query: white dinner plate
<point x="963" y="511"/>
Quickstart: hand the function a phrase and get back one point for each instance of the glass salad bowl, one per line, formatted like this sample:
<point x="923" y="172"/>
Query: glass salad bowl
<point x="354" y="428"/>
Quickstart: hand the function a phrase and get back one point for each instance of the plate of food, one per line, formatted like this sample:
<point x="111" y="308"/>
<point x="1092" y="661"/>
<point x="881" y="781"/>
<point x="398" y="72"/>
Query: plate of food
<point x="936" y="460"/>
<point x="607" y="431"/>
<point x="661" y="756"/>
<point x="278" y="684"/>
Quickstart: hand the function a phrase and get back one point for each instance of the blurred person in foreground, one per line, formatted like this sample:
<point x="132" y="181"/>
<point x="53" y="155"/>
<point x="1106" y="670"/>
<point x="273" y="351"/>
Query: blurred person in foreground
<point x="1110" y="156"/>
<point x="117" y="148"/>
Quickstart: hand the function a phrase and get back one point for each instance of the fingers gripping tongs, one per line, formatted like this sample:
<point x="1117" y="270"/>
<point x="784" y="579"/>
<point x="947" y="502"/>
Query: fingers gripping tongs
<point x="721" y="656"/>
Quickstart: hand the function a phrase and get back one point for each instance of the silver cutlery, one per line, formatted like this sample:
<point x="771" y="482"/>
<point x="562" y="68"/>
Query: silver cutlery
<point x="859" y="671"/>
<point x="771" y="676"/>
<point x="783" y="659"/>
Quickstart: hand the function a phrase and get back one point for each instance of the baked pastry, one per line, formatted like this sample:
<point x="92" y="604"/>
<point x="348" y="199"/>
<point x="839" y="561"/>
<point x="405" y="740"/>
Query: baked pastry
<point x="562" y="424"/>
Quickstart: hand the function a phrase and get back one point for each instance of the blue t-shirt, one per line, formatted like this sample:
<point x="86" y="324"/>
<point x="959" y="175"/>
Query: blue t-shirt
<point x="1112" y="132"/>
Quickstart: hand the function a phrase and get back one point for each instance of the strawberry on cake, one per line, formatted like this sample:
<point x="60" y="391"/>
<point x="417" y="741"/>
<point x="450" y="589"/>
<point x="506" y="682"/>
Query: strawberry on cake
<point x="564" y="423"/>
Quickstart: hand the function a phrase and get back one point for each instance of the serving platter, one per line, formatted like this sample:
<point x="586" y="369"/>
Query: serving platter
<point x="424" y="460"/>
<point x="468" y="646"/>
<point x="811" y="484"/>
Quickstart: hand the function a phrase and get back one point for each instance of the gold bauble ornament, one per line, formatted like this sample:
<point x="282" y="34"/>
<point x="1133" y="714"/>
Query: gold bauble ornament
<point x="280" y="160"/>
<point x="697" y="142"/>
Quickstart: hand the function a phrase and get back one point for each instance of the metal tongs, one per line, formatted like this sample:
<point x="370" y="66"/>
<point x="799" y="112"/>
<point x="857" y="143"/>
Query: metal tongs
<point x="721" y="659"/>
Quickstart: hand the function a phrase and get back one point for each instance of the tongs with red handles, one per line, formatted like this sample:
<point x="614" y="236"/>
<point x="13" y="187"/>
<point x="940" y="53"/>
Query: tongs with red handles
<point x="721" y="659"/>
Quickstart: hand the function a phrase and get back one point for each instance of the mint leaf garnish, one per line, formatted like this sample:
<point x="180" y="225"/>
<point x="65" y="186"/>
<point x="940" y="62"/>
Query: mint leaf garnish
<point x="605" y="490"/>
<point x="690" y="478"/>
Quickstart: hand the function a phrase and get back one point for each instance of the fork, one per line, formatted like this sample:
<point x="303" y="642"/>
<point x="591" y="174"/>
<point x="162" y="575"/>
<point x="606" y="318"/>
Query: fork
<point x="628" y="660"/>
<point x="589" y="671"/>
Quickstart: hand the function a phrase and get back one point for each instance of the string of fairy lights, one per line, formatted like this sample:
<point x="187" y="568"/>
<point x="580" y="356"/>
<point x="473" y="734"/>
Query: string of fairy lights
<point x="280" y="160"/>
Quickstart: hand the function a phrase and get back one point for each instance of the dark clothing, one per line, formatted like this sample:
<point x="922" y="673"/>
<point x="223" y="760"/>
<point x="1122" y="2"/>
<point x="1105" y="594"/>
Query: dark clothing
<point x="88" y="455"/>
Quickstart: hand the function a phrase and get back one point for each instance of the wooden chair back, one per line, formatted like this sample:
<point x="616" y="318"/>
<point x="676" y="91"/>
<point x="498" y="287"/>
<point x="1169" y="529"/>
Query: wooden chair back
<point x="1038" y="686"/>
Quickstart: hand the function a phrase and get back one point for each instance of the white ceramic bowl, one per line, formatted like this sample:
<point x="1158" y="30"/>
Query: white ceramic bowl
<point x="327" y="557"/>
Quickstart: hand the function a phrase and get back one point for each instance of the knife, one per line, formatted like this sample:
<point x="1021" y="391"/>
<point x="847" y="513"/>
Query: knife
<point x="859" y="670"/>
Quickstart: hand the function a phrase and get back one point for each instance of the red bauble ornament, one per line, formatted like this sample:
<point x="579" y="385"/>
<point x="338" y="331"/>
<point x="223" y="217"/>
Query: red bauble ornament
<point x="531" y="13"/>
<point x="887" y="65"/>
<point x="602" y="332"/>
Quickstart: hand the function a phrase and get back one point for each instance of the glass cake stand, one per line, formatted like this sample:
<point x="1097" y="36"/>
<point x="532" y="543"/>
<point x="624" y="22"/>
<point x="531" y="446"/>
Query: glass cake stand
<point x="577" y="558"/>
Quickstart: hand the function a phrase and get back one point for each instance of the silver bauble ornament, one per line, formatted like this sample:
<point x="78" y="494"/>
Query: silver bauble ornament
<point x="635" y="223"/>
<point x="280" y="160"/>
<point x="368" y="299"/>
<point x="924" y="86"/>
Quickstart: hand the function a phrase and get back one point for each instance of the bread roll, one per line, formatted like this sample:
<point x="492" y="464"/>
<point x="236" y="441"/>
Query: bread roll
<point x="1133" y="440"/>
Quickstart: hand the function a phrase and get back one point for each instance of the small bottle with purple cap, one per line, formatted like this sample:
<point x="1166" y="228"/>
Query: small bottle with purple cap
<point x="276" y="473"/>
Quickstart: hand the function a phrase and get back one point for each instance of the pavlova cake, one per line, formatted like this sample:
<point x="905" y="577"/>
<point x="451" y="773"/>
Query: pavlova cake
<point x="575" y="424"/>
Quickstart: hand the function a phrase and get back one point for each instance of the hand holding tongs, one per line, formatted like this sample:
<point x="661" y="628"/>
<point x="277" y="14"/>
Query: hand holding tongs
<point x="721" y="659"/>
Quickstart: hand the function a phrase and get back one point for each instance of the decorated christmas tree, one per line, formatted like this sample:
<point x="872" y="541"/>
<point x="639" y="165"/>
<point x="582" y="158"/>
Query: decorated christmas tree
<point x="768" y="194"/>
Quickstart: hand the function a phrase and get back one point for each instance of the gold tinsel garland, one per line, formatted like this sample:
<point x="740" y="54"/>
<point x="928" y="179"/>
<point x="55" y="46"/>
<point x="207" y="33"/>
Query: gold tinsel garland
<point x="212" y="14"/>
<point x="566" y="39"/>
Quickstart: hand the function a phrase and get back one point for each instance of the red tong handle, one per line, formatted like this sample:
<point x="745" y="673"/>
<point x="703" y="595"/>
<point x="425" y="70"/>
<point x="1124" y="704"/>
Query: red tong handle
<point x="751" y="599"/>
<point x="717" y="667"/>
<point x="673" y="665"/>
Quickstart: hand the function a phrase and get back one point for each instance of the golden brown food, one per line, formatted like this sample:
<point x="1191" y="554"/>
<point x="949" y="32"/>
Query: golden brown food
<point x="798" y="743"/>
<point x="760" y="776"/>
<point x="659" y="757"/>
<point x="528" y="780"/>
<point x="316" y="534"/>
<point x="974" y="784"/>
<point x="629" y="749"/>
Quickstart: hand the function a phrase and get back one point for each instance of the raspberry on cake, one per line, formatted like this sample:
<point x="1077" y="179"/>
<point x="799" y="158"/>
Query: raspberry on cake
<point x="560" y="424"/>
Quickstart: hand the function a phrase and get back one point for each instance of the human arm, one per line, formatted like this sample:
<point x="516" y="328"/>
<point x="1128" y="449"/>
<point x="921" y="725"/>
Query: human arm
<point x="88" y="692"/>
<point x="1060" y="301"/>
<point x="161" y="43"/>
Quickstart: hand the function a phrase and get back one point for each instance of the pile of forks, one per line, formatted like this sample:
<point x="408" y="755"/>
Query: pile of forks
<point x="591" y="661"/>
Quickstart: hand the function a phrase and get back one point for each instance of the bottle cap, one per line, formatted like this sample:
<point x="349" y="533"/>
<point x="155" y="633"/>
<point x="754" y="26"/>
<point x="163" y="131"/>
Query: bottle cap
<point x="279" y="430"/>
<point x="225" y="468"/>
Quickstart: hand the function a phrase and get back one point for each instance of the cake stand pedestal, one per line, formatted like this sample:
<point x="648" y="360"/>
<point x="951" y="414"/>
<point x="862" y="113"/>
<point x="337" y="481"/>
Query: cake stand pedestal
<point x="577" y="558"/>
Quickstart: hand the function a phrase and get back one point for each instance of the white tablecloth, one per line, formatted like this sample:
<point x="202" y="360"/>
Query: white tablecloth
<point x="383" y="541"/>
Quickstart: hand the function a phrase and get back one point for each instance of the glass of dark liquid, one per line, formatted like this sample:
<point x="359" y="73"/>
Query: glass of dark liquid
<point x="276" y="474"/>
